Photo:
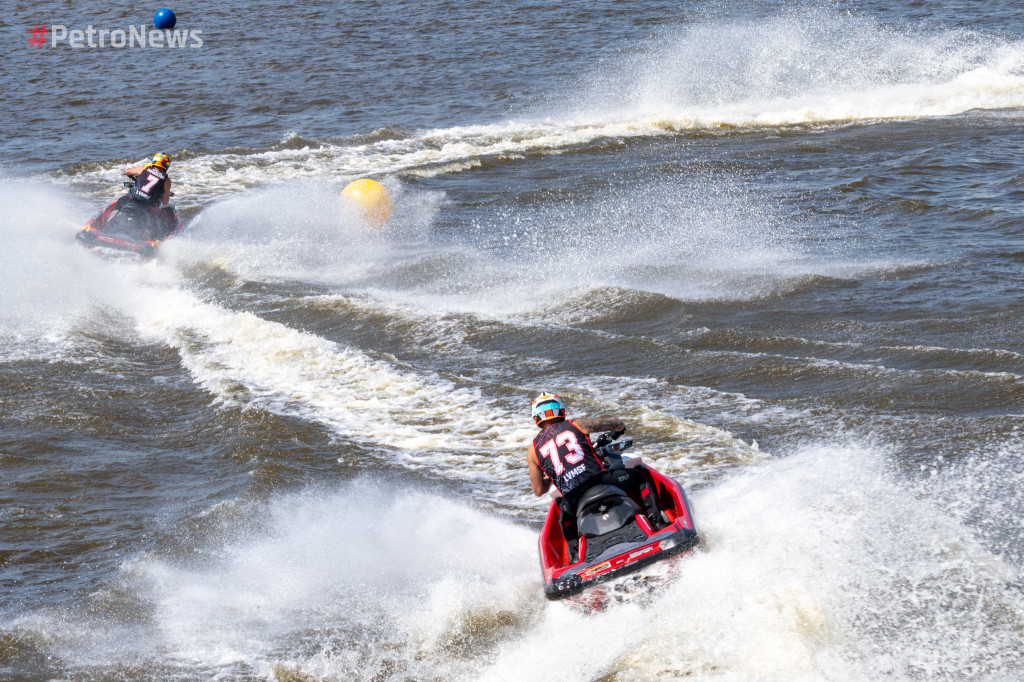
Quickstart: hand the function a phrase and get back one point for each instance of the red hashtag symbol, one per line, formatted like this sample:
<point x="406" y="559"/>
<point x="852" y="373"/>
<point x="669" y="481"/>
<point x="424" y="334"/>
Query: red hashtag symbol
<point x="38" y="38"/>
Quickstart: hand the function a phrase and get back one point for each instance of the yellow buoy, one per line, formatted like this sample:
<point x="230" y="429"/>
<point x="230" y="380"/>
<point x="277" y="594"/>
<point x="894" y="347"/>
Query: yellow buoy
<point x="371" y="198"/>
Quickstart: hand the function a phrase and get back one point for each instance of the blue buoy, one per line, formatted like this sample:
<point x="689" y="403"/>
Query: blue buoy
<point x="164" y="18"/>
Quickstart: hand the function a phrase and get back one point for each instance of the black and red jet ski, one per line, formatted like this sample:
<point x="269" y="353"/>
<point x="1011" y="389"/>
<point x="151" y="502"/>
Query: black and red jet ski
<point x="129" y="227"/>
<point x="620" y="532"/>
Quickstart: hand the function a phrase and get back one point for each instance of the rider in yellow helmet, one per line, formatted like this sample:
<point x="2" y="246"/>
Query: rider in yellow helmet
<point x="152" y="182"/>
<point x="151" y="190"/>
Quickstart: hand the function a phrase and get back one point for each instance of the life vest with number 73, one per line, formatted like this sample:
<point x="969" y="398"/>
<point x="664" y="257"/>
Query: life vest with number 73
<point x="566" y="455"/>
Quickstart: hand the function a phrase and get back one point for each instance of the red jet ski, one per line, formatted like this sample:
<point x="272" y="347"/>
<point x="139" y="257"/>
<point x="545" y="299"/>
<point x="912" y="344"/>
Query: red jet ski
<point x="128" y="227"/>
<point x="620" y="531"/>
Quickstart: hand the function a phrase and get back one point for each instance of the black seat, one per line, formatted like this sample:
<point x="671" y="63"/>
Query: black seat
<point x="605" y="509"/>
<point x="598" y="492"/>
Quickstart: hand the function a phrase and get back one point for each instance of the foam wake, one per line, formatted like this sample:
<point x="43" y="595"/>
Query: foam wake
<point x="806" y="68"/>
<point x="821" y="566"/>
<point x="243" y="359"/>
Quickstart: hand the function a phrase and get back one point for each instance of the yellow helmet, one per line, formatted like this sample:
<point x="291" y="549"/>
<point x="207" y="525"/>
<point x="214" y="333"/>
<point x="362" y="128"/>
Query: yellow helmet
<point x="161" y="161"/>
<point x="547" y="407"/>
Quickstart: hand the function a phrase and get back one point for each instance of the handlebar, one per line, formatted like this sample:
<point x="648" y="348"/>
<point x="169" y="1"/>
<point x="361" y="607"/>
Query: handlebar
<point x="609" y="451"/>
<point x="609" y="437"/>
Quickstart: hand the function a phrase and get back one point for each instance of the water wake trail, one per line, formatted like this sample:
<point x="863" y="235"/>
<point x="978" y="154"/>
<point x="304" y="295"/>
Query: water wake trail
<point x="698" y="239"/>
<point x="349" y="575"/>
<point x="245" y="360"/>
<point x="347" y="584"/>
<point x="809" y="67"/>
<point x="818" y="566"/>
<point x="825" y="564"/>
<point x="50" y="286"/>
<point x="43" y="274"/>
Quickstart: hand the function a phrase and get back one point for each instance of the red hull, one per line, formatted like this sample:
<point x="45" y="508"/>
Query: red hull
<point x="563" y="578"/>
<point x="106" y="231"/>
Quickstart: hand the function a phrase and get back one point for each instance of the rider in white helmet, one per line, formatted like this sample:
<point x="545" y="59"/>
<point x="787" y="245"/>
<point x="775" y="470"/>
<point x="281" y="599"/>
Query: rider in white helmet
<point x="563" y="454"/>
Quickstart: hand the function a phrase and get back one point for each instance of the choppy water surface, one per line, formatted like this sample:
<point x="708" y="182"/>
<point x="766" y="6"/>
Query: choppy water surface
<point x="784" y="243"/>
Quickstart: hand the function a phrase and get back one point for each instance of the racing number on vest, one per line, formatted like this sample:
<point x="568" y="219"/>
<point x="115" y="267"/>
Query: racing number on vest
<point x="149" y="185"/>
<point x="568" y="440"/>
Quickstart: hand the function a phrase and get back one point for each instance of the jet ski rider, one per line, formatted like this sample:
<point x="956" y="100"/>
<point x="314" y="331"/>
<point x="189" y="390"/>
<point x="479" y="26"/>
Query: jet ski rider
<point x="152" y="183"/>
<point x="563" y="454"/>
<point x="151" y="187"/>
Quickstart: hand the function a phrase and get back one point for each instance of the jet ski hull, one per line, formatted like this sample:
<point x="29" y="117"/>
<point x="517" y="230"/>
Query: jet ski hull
<point x="640" y="544"/>
<point x="109" y="229"/>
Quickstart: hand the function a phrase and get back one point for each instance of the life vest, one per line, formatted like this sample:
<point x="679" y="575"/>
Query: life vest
<point x="566" y="455"/>
<point x="149" y="186"/>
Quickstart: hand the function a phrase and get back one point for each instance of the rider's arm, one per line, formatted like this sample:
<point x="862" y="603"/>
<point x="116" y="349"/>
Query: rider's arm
<point x="538" y="481"/>
<point x="167" y="191"/>
<point x="595" y="424"/>
<point x="134" y="170"/>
